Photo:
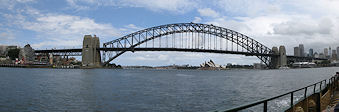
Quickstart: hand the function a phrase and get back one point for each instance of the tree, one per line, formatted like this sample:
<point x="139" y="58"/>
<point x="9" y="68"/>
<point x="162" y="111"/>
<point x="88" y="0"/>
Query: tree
<point x="13" y="53"/>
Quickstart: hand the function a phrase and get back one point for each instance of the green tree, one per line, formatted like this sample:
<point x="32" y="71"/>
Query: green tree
<point x="13" y="53"/>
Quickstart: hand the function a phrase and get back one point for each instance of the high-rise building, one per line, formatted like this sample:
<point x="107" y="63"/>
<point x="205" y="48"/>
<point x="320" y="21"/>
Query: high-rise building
<point x="334" y="55"/>
<point x="325" y="52"/>
<point x="310" y="52"/>
<point x="296" y="51"/>
<point x="301" y="50"/>
<point x="330" y="51"/>
<point x="338" y="52"/>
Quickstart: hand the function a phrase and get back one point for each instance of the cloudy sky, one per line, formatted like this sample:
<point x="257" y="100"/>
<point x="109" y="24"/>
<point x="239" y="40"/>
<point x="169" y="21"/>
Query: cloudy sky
<point x="63" y="23"/>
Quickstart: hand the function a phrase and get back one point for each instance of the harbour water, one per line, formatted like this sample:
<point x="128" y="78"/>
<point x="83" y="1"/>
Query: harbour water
<point x="147" y="90"/>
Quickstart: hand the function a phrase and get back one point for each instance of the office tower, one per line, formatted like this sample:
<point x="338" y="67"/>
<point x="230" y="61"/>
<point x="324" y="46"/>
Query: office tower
<point x="296" y="51"/>
<point x="310" y="52"/>
<point x="301" y="50"/>
<point x="334" y="55"/>
<point x="325" y="52"/>
<point x="329" y="51"/>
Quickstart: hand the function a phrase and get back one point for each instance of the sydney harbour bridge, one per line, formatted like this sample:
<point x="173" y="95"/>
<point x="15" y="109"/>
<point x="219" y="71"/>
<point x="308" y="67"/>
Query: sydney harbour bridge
<point x="180" y="37"/>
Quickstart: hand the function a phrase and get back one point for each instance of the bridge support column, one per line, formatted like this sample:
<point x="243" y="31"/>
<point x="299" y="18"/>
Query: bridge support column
<point x="51" y="60"/>
<point x="91" y="57"/>
<point x="274" y="60"/>
<point x="282" y="57"/>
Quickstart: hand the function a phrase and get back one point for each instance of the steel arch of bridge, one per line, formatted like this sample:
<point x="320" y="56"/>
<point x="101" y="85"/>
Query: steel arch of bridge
<point x="131" y="41"/>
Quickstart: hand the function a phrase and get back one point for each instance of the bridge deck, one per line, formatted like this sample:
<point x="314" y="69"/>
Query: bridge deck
<point x="173" y="49"/>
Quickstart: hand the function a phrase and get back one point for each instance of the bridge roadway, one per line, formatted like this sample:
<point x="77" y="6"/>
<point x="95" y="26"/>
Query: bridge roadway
<point x="77" y="52"/>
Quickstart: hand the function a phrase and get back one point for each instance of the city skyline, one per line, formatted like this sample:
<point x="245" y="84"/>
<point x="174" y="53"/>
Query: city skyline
<point x="326" y="53"/>
<point x="56" y="25"/>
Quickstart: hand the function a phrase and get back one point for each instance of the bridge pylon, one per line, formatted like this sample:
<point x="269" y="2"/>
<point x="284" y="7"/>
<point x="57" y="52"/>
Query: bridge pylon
<point x="91" y="57"/>
<point x="282" y="57"/>
<point x="279" y="59"/>
<point x="274" y="59"/>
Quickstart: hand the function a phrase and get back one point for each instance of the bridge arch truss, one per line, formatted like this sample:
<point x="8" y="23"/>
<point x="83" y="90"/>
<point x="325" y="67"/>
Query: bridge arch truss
<point x="187" y="37"/>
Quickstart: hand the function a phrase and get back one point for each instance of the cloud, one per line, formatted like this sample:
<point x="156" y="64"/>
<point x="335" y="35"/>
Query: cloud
<point x="287" y="30"/>
<point x="179" y="6"/>
<point x="68" y="28"/>
<point x="208" y="12"/>
<point x="67" y="24"/>
<point x="130" y="28"/>
<point x="57" y="30"/>
<point x="11" y="4"/>
<point x="304" y="27"/>
<point x="6" y="34"/>
<point x="248" y="7"/>
<point x="133" y="27"/>
<point x="80" y="5"/>
<point x="197" y="20"/>
<point x="176" y="6"/>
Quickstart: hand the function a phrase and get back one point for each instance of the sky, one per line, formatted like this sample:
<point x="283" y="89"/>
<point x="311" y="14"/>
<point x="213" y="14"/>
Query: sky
<point x="63" y="23"/>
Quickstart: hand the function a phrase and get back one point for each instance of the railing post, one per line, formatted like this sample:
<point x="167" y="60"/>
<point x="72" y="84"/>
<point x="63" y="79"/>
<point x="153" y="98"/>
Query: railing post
<point x="315" y="85"/>
<point x="305" y="92"/>
<point x="265" y="106"/>
<point x="292" y="100"/>
<point x="336" y="81"/>
<point x="320" y="85"/>
<point x="330" y="87"/>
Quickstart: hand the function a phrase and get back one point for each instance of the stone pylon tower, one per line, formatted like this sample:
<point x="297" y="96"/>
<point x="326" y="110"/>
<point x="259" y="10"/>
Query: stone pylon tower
<point x="91" y="57"/>
<point x="274" y="60"/>
<point x="282" y="57"/>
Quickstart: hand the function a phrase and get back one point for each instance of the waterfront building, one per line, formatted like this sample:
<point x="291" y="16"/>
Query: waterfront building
<point x="26" y="54"/>
<point x="326" y="52"/>
<point x="301" y="50"/>
<point x="329" y="52"/>
<point x="316" y="55"/>
<point x="209" y="64"/>
<point x="321" y="55"/>
<point x="4" y="50"/>
<point x="334" y="55"/>
<point x="296" y="51"/>
<point x="310" y="52"/>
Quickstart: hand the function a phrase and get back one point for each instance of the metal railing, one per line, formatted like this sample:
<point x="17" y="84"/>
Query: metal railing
<point x="330" y="84"/>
